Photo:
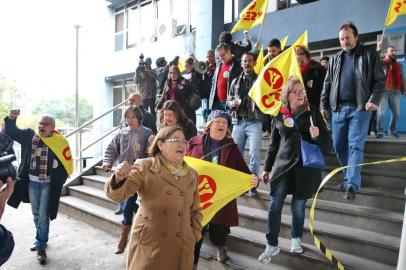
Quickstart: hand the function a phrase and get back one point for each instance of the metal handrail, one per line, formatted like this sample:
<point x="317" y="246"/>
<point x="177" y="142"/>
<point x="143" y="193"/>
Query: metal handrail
<point x="78" y="133"/>
<point x="95" y="119"/>
<point x="99" y="139"/>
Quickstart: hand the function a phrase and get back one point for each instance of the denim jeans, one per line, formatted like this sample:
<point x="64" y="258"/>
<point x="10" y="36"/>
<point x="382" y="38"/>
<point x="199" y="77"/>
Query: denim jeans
<point x="130" y="207"/>
<point x="278" y="195"/>
<point x="350" y="129"/>
<point x="251" y="131"/>
<point x="217" y="105"/>
<point x="393" y="100"/>
<point x="205" y="109"/>
<point x="149" y="103"/>
<point x="39" y="197"/>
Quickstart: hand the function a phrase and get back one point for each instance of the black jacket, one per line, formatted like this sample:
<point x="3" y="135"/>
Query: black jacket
<point x="234" y="71"/>
<point x="283" y="158"/>
<point x="369" y="79"/>
<point x="313" y="80"/>
<point x="57" y="175"/>
<point x="244" y="111"/>
<point x="183" y="92"/>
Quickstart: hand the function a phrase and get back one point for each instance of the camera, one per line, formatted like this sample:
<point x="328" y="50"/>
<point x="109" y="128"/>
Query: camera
<point x="7" y="168"/>
<point x="175" y="61"/>
<point x="141" y="66"/>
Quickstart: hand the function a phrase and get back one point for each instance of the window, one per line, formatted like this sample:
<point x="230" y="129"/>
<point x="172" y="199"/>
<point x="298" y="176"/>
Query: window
<point x="119" y="31"/>
<point x="180" y="14"/>
<point x="143" y="21"/>
<point x="134" y="20"/>
<point x="147" y="17"/>
<point x="228" y="11"/>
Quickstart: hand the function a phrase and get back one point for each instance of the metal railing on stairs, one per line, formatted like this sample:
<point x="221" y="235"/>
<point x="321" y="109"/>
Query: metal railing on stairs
<point x="78" y="136"/>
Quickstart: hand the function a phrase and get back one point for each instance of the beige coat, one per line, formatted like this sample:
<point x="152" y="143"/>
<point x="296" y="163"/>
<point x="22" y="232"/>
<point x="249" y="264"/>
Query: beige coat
<point x="167" y="225"/>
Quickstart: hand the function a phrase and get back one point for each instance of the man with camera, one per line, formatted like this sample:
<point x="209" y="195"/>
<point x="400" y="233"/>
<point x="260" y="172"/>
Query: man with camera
<point x="46" y="162"/>
<point x="146" y="78"/>
<point x="6" y="237"/>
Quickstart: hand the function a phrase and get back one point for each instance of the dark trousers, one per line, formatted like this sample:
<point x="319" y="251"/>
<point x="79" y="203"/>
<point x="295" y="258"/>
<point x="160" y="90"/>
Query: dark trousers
<point x="267" y="123"/>
<point x="217" y="234"/>
<point x="149" y="104"/>
<point x="130" y="207"/>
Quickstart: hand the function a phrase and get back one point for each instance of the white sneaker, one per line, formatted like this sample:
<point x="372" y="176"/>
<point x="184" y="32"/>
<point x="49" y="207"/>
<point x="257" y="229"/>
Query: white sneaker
<point x="269" y="251"/>
<point x="296" y="246"/>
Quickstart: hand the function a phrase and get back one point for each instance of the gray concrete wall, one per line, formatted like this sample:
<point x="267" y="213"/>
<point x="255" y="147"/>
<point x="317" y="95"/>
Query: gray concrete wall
<point x="323" y="18"/>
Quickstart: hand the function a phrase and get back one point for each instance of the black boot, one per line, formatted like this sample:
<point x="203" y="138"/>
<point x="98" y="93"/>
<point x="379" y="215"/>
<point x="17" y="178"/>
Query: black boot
<point x="42" y="256"/>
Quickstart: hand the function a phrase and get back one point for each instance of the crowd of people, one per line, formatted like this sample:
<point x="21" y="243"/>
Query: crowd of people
<point x="333" y="107"/>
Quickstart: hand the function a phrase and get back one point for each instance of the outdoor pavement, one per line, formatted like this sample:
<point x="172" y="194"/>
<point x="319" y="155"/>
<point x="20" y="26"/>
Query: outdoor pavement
<point x="72" y="245"/>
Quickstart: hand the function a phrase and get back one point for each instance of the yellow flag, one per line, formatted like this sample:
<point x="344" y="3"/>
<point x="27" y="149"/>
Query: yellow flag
<point x="252" y="15"/>
<point x="267" y="88"/>
<point x="181" y="64"/>
<point x="396" y="8"/>
<point x="60" y="146"/>
<point x="283" y="42"/>
<point x="218" y="185"/>
<point x="260" y="61"/>
<point x="302" y="41"/>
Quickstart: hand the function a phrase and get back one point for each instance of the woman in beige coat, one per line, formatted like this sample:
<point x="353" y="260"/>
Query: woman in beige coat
<point x="167" y="225"/>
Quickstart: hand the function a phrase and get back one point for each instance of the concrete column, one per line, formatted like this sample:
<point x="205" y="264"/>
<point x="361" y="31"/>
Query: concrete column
<point x="402" y="249"/>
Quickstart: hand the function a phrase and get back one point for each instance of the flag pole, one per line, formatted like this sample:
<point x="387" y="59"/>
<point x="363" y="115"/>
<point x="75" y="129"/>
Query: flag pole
<point x="260" y="31"/>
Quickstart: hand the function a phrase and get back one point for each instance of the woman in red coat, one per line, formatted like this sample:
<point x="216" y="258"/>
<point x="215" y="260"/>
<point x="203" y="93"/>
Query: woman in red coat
<point x="216" y="145"/>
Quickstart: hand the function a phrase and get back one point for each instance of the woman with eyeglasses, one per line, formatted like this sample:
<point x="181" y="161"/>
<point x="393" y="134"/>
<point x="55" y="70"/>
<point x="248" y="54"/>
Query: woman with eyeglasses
<point x="172" y="114"/>
<point x="216" y="145"/>
<point x="168" y="222"/>
<point x="283" y="160"/>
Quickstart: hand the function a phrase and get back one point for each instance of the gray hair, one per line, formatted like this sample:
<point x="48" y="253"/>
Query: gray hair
<point x="49" y="118"/>
<point x="288" y="87"/>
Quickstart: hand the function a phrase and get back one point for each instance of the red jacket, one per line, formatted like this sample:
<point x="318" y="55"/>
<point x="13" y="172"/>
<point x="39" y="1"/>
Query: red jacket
<point x="230" y="157"/>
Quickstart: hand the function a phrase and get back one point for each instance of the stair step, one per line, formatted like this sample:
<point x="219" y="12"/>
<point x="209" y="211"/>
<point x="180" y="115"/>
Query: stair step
<point x="91" y="213"/>
<point x="252" y="243"/>
<point x="99" y="171"/>
<point x="92" y="195"/>
<point x="96" y="181"/>
<point x="367" y="244"/>
<point x="371" y="197"/>
<point x="345" y="214"/>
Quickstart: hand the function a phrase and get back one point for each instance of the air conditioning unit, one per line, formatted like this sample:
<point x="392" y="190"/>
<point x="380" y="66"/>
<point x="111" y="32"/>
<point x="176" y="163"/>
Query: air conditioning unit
<point x="166" y="29"/>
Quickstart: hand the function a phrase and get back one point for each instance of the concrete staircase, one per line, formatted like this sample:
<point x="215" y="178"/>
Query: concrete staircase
<point x="364" y="234"/>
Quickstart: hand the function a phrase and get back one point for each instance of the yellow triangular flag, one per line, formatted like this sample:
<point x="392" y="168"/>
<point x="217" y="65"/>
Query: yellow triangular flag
<point x="218" y="185"/>
<point x="251" y="15"/>
<point x="181" y="64"/>
<point x="267" y="88"/>
<point x="302" y="41"/>
<point x="60" y="146"/>
<point x="283" y="42"/>
<point x="260" y="61"/>
<point x="396" y="8"/>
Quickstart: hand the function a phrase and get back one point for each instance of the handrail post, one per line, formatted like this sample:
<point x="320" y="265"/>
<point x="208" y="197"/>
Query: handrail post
<point x="80" y="152"/>
<point x="402" y="248"/>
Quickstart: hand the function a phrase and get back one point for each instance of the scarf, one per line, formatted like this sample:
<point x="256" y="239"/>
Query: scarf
<point x="43" y="158"/>
<point x="287" y="111"/>
<point x="176" y="171"/>
<point x="60" y="147"/>
<point x="304" y="69"/>
<point x="393" y="81"/>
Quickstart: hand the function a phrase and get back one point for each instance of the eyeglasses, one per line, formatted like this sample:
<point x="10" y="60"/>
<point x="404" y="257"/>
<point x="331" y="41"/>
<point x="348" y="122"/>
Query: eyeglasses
<point x="298" y="92"/>
<point x="177" y="141"/>
<point x="45" y="123"/>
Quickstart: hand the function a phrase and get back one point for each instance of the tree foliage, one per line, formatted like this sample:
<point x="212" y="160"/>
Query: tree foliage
<point x="64" y="110"/>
